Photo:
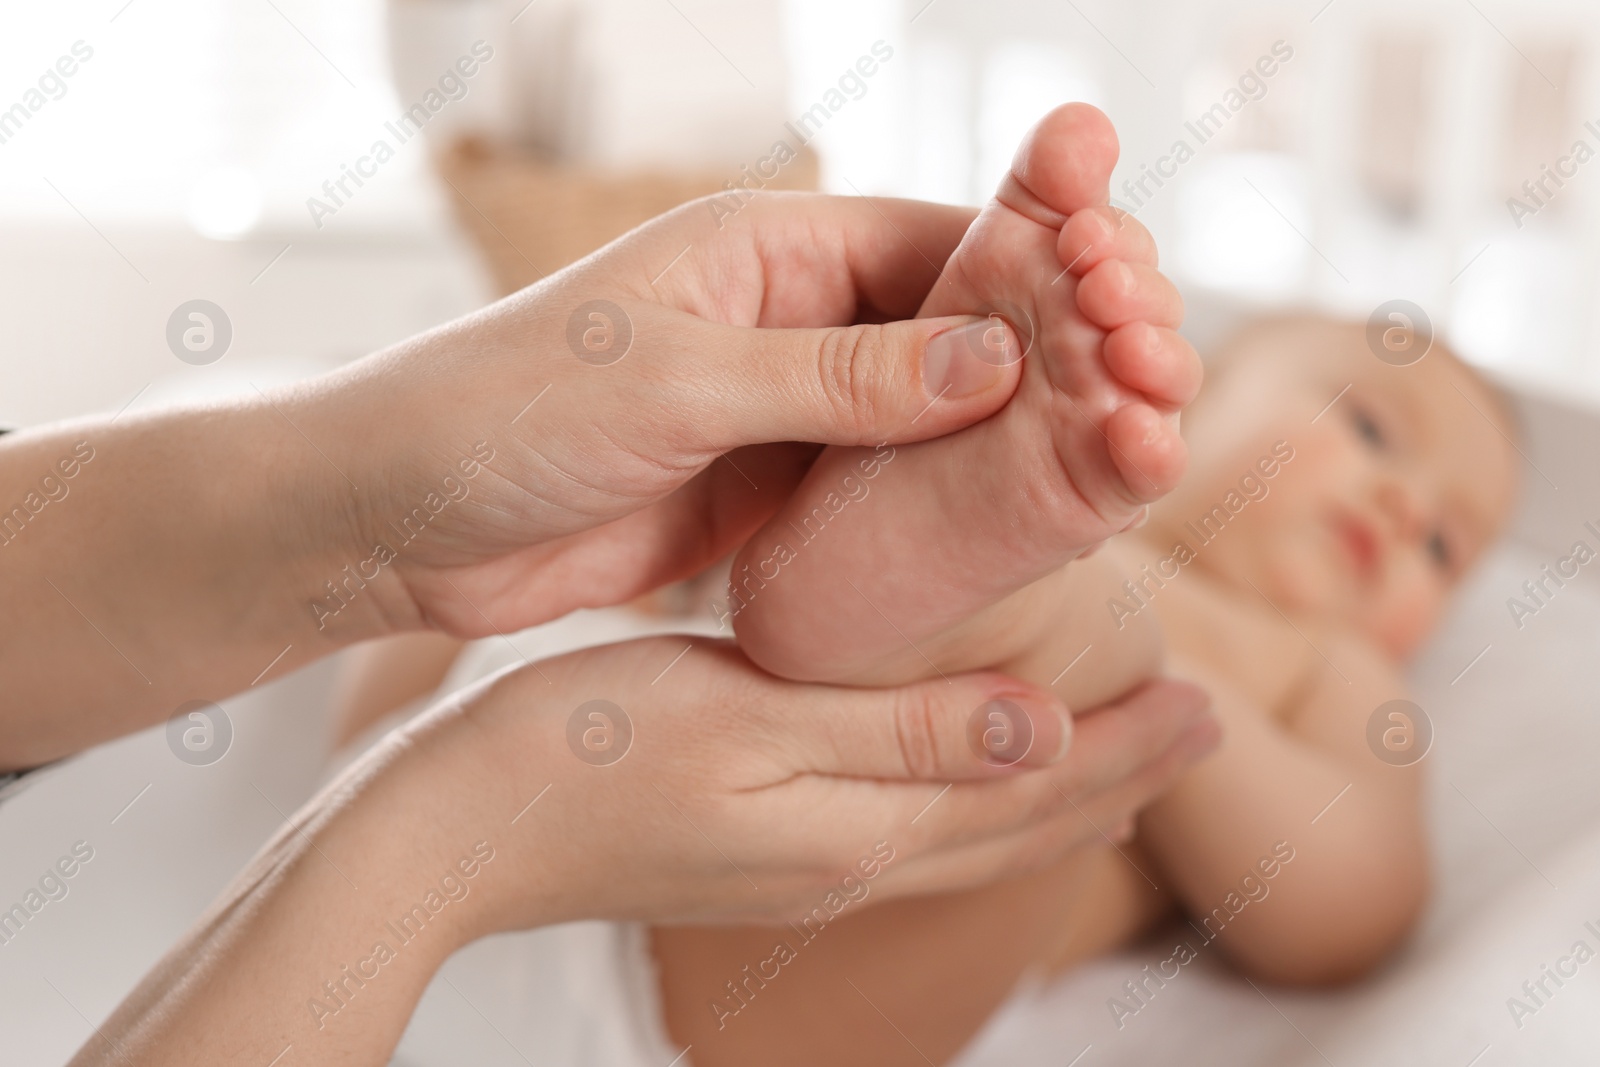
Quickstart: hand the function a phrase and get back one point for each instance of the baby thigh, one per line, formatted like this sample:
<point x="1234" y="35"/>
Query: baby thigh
<point x="1071" y="631"/>
<point x="905" y="983"/>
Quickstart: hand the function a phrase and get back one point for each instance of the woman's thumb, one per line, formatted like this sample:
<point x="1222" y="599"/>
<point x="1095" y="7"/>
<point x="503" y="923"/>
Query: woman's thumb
<point x="855" y="385"/>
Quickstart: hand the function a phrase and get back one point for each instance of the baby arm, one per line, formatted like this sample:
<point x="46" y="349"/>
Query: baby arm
<point x="1358" y="875"/>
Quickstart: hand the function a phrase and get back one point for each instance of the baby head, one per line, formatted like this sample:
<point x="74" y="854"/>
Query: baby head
<point x="1361" y="512"/>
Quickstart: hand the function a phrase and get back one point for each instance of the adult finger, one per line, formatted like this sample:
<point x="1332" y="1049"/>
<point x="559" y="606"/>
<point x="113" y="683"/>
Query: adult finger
<point x="787" y="323"/>
<point x="971" y="726"/>
<point x="725" y="387"/>
<point x="1111" y="809"/>
<point x="789" y="259"/>
<point x="942" y="853"/>
<point x="1122" y="745"/>
<point x="881" y="253"/>
<point x="1092" y="820"/>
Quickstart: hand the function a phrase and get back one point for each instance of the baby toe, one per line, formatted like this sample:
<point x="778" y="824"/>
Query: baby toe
<point x="1096" y="234"/>
<point x="1155" y="361"/>
<point x="1063" y="165"/>
<point x="1116" y="293"/>
<point x="1147" y="451"/>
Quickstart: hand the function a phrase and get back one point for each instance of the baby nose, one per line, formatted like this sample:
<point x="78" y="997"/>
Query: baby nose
<point x="1402" y="506"/>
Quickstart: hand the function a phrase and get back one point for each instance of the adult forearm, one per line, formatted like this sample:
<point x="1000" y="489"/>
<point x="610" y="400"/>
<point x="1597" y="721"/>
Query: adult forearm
<point x="146" y="562"/>
<point x="325" y="943"/>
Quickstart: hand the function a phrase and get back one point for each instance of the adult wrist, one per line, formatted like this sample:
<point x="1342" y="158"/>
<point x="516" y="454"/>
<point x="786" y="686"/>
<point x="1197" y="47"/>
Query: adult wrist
<point x="420" y="859"/>
<point x="420" y="430"/>
<point x="450" y="809"/>
<point x="366" y="440"/>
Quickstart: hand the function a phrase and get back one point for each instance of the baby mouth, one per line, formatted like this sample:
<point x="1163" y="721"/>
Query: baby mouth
<point x="1360" y="544"/>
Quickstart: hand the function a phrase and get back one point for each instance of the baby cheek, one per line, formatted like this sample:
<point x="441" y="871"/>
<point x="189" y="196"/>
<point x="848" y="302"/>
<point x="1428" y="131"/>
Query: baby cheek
<point x="1326" y="457"/>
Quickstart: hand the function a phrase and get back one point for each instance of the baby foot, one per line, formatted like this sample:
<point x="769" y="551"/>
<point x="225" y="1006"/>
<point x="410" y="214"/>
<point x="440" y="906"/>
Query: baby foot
<point x="929" y="534"/>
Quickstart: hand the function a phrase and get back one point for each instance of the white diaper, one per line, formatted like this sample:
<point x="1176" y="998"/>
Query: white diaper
<point x="578" y="995"/>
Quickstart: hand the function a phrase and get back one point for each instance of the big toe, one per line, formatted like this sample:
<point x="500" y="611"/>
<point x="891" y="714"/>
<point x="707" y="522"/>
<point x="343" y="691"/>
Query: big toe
<point x="1063" y="165"/>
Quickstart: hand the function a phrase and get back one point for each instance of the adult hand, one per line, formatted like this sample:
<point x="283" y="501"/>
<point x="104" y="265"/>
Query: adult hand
<point x="190" y="554"/>
<point x="739" y="796"/>
<point x="660" y="373"/>
<point x="744" y="796"/>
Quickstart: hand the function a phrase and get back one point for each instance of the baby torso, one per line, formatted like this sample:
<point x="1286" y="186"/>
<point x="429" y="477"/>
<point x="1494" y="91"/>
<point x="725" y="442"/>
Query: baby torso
<point x="1215" y="631"/>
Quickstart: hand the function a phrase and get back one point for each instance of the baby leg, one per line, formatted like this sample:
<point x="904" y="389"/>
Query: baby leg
<point x="881" y="554"/>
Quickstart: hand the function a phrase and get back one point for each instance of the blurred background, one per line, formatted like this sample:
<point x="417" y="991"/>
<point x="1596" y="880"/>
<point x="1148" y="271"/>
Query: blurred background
<point x="1332" y="153"/>
<point x="1375" y="162"/>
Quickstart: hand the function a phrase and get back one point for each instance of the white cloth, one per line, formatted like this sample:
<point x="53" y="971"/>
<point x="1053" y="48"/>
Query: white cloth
<point x="578" y="994"/>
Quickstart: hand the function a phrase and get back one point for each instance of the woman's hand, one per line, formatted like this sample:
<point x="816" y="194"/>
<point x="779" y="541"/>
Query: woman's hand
<point x="632" y="402"/>
<point x="561" y="448"/>
<point x="738" y="796"/>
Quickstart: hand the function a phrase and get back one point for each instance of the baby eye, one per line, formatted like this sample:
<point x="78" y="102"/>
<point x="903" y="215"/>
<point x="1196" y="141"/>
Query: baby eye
<point x="1439" y="551"/>
<point x="1367" y="428"/>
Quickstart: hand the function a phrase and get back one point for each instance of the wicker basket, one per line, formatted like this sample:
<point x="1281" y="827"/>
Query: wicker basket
<point x="530" y="217"/>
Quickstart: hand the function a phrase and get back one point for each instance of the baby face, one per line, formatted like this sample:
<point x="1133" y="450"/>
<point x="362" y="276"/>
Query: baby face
<point x="1391" y="494"/>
